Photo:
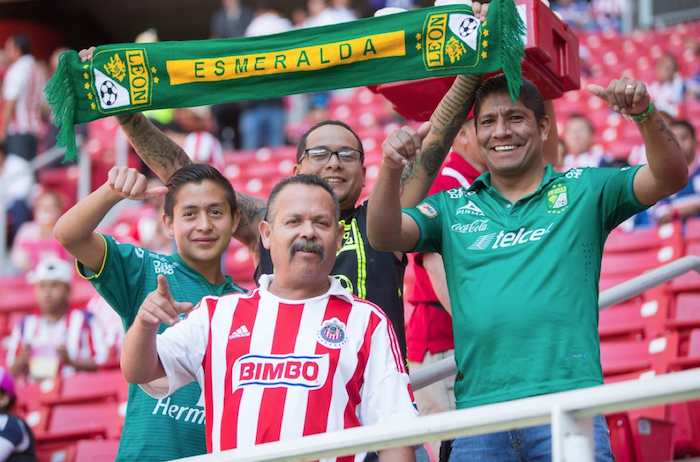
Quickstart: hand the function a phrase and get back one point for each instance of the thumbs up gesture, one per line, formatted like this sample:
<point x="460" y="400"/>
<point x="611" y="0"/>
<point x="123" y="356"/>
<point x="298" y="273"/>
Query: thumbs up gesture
<point x="132" y="184"/>
<point x="626" y="96"/>
<point x="403" y="145"/>
<point x="160" y="306"/>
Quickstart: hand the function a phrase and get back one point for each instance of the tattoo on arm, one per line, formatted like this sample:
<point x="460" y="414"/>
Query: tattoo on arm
<point x="158" y="151"/>
<point x="664" y="129"/>
<point x="447" y="120"/>
<point x="253" y="211"/>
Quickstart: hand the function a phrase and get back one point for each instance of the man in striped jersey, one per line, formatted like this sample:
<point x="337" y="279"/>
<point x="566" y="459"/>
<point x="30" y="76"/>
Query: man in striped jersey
<point x="200" y="214"/>
<point x="296" y="357"/>
<point x="22" y="99"/>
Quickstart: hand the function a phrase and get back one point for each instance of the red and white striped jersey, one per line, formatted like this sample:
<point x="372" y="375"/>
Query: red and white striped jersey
<point x="273" y="369"/>
<point x="24" y="83"/>
<point x="203" y="147"/>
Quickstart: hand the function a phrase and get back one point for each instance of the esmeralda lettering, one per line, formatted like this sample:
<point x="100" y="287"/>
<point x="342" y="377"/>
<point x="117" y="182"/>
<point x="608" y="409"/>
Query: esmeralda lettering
<point x="387" y="45"/>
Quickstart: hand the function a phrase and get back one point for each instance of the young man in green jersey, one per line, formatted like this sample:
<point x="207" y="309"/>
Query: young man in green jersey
<point x="524" y="283"/>
<point x="201" y="215"/>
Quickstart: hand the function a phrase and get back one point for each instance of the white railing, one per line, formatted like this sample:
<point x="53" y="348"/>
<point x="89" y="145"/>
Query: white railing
<point x="570" y="413"/>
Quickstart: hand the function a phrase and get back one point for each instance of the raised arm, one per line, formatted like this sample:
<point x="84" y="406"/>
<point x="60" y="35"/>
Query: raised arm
<point x="139" y="360"/>
<point x="75" y="230"/>
<point x="388" y="229"/>
<point x="445" y="123"/>
<point x="667" y="171"/>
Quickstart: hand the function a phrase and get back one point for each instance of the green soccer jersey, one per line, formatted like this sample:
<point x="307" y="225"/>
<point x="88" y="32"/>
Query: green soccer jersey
<point x="155" y="429"/>
<point x="523" y="279"/>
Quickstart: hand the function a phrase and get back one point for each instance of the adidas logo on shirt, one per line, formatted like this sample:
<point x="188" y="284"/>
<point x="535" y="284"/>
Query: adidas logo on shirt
<point x="470" y="209"/>
<point x="240" y="333"/>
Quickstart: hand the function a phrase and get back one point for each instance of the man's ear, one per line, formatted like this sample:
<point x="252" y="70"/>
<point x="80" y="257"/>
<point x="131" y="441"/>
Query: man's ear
<point x="265" y="230"/>
<point x="235" y="221"/>
<point x="168" y="223"/>
<point x="545" y="125"/>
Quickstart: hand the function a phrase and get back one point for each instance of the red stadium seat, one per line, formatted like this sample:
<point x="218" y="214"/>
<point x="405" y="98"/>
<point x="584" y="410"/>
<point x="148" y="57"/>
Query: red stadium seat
<point x="621" y="322"/>
<point x="56" y="452"/>
<point x="687" y="311"/>
<point x="75" y="419"/>
<point x="642" y="239"/>
<point x="87" y="387"/>
<point x="624" y="357"/>
<point x="634" y="263"/>
<point x="96" y="451"/>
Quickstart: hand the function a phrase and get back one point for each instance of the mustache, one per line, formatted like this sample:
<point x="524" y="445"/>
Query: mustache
<point x="307" y="246"/>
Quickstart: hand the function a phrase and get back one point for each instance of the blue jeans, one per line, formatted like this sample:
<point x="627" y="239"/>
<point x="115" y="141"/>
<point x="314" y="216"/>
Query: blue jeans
<point x="262" y="125"/>
<point x="533" y="444"/>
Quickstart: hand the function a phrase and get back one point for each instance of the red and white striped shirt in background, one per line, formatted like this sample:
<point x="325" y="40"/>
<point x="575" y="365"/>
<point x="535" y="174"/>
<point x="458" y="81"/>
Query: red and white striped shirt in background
<point x="275" y="369"/>
<point x="77" y="330"/>
<point x="205" y="148"/>
<point x="24" y="83"/>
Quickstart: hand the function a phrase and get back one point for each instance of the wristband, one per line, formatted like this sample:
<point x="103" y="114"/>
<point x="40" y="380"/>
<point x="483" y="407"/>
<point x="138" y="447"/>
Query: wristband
<point x="639" y="118"/>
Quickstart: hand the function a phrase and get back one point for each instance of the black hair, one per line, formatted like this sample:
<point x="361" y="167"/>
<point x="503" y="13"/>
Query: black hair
<point x="302" y="179"/>
<point x="197" y="173"/>
<point x="22" y="42"/>
<point x="530" y="96"/>
<point x="302" y="142"/>
<point x="686" y="124"/>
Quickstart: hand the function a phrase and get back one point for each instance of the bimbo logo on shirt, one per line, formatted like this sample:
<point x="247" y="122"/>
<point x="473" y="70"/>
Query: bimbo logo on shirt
<point x="271" y="371"/>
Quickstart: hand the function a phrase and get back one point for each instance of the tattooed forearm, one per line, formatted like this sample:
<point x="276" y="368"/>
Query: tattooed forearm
<point x="158" y="151"/>
<point x="252" y="209"/>
<point x="432" y="158"/>
<point x="667" y="131"/>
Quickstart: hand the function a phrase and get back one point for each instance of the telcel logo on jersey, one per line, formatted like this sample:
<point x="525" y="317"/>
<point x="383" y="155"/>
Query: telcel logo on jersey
<point x="473" y="227"/>
<point x="521" y="237"/>
<point x="272" y="371"/>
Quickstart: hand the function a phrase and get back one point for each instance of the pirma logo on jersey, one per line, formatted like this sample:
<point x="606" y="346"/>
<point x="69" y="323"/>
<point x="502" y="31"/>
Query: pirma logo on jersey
<point x="272" y="371"/>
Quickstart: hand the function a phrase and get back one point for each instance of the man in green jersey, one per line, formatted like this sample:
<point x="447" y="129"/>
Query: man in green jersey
<point x="201" y="215"/>
<point x="522" y="249"/>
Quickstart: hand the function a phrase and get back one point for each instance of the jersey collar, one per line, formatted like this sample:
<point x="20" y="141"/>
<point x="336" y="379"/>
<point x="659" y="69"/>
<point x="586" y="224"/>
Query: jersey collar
<point x="197" y="275"/>
<point x="335" y="289"/>
<point x="484" y="180"/>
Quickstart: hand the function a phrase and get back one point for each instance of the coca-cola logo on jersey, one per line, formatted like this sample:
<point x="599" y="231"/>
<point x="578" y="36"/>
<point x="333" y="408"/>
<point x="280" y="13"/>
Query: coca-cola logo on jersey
<point x="280" y="370"/>
<point x="473" y="227"/>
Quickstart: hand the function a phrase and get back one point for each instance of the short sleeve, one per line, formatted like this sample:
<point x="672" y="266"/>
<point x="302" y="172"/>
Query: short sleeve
<point x="617" y="199"/>
<point x="386" y="394"/>
<point x="427" y="216"/>
<point x="119" y="279"/>
<point x="181" y="350"/>
<point x="14" y="83"/>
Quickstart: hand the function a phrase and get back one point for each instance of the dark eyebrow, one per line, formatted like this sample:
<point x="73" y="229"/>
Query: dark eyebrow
<point x="210" y="205"/>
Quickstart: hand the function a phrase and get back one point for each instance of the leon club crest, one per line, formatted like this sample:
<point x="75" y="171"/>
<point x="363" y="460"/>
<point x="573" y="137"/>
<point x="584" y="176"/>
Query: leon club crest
<point x="557" y="198"/>
<point x="452" y="40"/>
<point x="333" y="334"/>
<point x="119" y="79"/>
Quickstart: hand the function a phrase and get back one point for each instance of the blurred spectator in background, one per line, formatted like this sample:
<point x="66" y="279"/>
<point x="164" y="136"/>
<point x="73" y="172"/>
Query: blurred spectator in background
<point x="694" y="80"/>
<point x="575" y="13"/>
<point x="343" y="11"/>
<point x="668" y="90"/>
<point x="23" y="99"/>
<point x="299" y="16"/>
<point x="16" y="184"/>
<point x="262" y="121"/>
<point x="199" y="143"/>
<point x="16" y="438"/>
<point x="231" y="20"/>
<point x="34" y="240"/>
<point x="608" y="14"/>
<point x="686" y="202"/>
<point x="579" y="136"/>
<point x="58" y="339"/>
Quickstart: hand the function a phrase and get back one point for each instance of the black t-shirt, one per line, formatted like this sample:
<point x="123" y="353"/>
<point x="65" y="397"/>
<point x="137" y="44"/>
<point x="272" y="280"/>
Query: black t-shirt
<point x="368" y="273"/>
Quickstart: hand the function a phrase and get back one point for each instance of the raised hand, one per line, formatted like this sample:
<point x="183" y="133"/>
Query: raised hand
<point x="625" y="96"/>
<point x="131" y="184"/>
<point x="403" y="145"/>
<point x="480" y="9"/>
<point x="160" y="306"/>
<point x="86" y="55"/>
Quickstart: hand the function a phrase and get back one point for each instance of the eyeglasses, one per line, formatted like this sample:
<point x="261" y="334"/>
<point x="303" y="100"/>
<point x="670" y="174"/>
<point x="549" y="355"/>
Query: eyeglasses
<point x="323" y="156"/>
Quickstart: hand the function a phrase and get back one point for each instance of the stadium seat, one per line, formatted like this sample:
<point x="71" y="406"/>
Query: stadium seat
<point x="624" y="357"/>
<point x="686" y="312"/>
<point x="634" y="263"/>
<point x="642" y="239"/>
<point x="687" y="431"/>
<point x="62" y="451"/>
<point x="85" y="387"/>
<point x="72" y="420"/>
<point x="96" y="451"/>
<point x="621" y="322"/>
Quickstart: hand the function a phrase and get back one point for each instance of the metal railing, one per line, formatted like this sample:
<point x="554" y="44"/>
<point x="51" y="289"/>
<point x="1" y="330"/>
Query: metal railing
<point x="570" y="413"/>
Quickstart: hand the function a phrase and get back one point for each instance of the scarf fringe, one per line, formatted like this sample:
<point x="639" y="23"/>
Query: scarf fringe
<point x="512" y="46"/>
<point x="60" y="95"/>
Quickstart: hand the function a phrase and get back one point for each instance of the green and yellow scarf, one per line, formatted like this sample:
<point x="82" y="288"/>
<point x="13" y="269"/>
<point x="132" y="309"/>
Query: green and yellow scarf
<point x="417" y="44"/>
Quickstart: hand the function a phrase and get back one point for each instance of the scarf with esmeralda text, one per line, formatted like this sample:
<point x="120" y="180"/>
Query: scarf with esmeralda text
<point x="417" y="44"/>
